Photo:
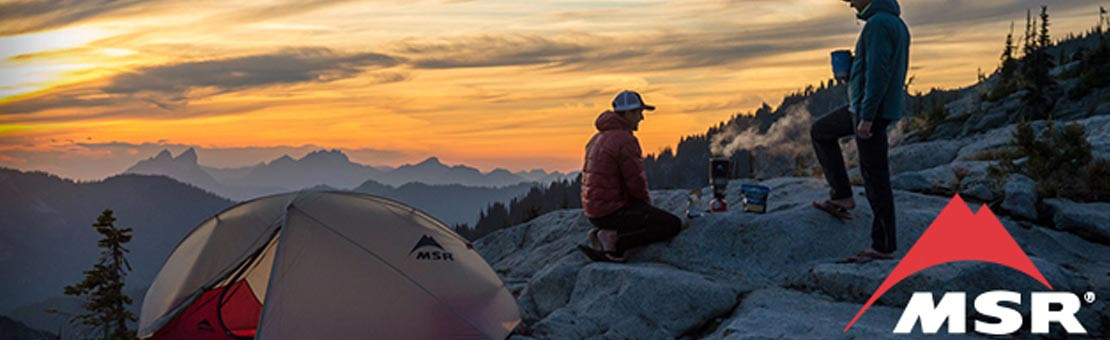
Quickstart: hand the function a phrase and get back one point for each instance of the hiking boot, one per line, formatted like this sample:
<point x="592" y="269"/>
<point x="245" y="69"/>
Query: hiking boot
<point x="592" y="240"/>
<point x="608" y="240"/>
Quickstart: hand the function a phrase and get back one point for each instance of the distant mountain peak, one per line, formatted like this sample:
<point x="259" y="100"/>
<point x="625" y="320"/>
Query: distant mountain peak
<point x="189" y="157"/>
<point x="183" y="168"/>
<point x="430" y="164"/>
<point x="282" y="159"/>
<point x="165" y="154"/>
<point x="430" y="161"/>
<point x="333" y="155"/>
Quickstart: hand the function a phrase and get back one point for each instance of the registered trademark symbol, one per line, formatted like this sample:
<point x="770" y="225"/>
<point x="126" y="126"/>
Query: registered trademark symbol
<point x="1089" y="297"/>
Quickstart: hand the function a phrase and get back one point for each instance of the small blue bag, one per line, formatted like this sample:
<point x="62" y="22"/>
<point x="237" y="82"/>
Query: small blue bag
<point x="755" y="197"/>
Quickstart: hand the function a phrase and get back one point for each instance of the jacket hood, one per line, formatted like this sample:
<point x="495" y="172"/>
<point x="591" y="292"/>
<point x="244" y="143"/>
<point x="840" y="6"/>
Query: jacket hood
<point x="877" y="6"/>
<point x="609" y="120"/>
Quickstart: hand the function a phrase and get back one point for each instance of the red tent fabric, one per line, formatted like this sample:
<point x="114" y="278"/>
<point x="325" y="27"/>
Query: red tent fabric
<point x="240" y="312"/>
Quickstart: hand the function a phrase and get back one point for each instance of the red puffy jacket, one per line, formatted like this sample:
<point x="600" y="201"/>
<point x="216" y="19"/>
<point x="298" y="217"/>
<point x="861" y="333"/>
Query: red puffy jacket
<point x="613" y="172"/>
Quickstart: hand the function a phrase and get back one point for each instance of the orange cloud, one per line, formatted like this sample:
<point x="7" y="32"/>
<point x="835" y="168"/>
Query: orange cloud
<point x="480" y="81"/>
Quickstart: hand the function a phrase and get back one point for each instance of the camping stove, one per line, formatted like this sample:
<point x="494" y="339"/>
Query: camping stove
<point x="719" y="170"/>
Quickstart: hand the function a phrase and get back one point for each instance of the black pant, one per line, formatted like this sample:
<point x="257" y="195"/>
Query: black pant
<point x="637" y="224"/>
<point x="874" y="166"/>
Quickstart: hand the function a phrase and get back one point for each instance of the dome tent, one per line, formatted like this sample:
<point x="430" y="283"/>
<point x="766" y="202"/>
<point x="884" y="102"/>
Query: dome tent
<point x="326" y="265"/>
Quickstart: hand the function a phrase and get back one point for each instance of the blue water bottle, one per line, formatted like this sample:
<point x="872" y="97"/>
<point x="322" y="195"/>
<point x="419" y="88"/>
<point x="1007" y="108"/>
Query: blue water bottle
<point x="841" y="64"/>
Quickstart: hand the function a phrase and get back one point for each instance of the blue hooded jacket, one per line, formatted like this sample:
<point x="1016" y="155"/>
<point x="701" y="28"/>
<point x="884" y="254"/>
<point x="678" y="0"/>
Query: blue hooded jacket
<point x="877" y="83"/>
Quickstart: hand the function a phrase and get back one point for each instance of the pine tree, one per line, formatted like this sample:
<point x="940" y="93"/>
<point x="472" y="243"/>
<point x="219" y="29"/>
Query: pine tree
<point x="1009" y="64"/>
<point x="102" y="288"/>
<point x="1045" y="40"/>
<point x="1027" y="47"/>
<point x="1035" y="67"/>
<point x="1008" y="52"/>
<point x="1008" y="69"/>
<point x="1102" y="18"/>
<point x="562" y="194"/>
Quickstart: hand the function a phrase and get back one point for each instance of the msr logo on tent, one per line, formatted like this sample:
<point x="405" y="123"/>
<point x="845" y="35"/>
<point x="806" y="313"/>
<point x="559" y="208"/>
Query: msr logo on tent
<point x="958" y="235"/>
<point x="432" y="255"/>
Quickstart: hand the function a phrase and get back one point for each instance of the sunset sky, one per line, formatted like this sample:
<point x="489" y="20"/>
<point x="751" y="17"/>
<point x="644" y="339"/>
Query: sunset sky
<point x="87" y="88"/>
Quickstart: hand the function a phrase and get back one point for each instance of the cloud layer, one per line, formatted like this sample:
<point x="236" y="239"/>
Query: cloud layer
<point x="481" y="81"/>
<point x="172" y="85"/>
<point x="23" y="16"/>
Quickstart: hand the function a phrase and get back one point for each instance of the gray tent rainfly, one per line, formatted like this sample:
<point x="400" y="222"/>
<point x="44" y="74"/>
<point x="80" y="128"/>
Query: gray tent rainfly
<point x="326" y="265"/>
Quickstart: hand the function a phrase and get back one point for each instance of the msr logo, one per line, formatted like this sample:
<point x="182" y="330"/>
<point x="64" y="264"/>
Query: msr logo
<point x="953" y="308"/>
<point x="432" y="255"/>
<point x="958" y="235"/>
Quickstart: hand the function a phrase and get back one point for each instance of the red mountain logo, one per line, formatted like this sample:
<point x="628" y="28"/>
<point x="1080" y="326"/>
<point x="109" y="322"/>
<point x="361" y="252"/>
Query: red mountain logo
<point x="958" y="235"/>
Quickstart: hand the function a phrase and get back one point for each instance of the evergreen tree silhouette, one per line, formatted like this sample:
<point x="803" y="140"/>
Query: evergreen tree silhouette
<point x="1044" y="40"/>
<point x="1103" y="18"/>
<point x="563" y="194"/>
<point x="105" y="304"/>
<point x="1035" y="67"/>
<point x="1009" y="64"/>
<point x="1007" y="69"/>
<point x="1028" y="46"/>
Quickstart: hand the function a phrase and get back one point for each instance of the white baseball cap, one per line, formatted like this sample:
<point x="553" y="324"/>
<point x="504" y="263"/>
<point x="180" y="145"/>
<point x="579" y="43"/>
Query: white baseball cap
<point x="630" y="100"/>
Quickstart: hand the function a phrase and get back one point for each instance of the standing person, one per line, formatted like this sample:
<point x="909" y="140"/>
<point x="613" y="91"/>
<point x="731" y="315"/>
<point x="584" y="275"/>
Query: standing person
<point x="614" y="187"/>
<point x="876" y="94"/>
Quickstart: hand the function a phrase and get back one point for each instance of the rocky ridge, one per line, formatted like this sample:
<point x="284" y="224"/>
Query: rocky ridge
<point x="738" y="275"/>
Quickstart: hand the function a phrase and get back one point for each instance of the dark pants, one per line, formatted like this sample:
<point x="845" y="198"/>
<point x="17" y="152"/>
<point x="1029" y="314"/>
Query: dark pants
<point x="874" y="166"/>
<point x="638" y="224"/>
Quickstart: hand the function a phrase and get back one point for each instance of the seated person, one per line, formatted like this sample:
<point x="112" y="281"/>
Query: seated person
<point x="614" y="187"/>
